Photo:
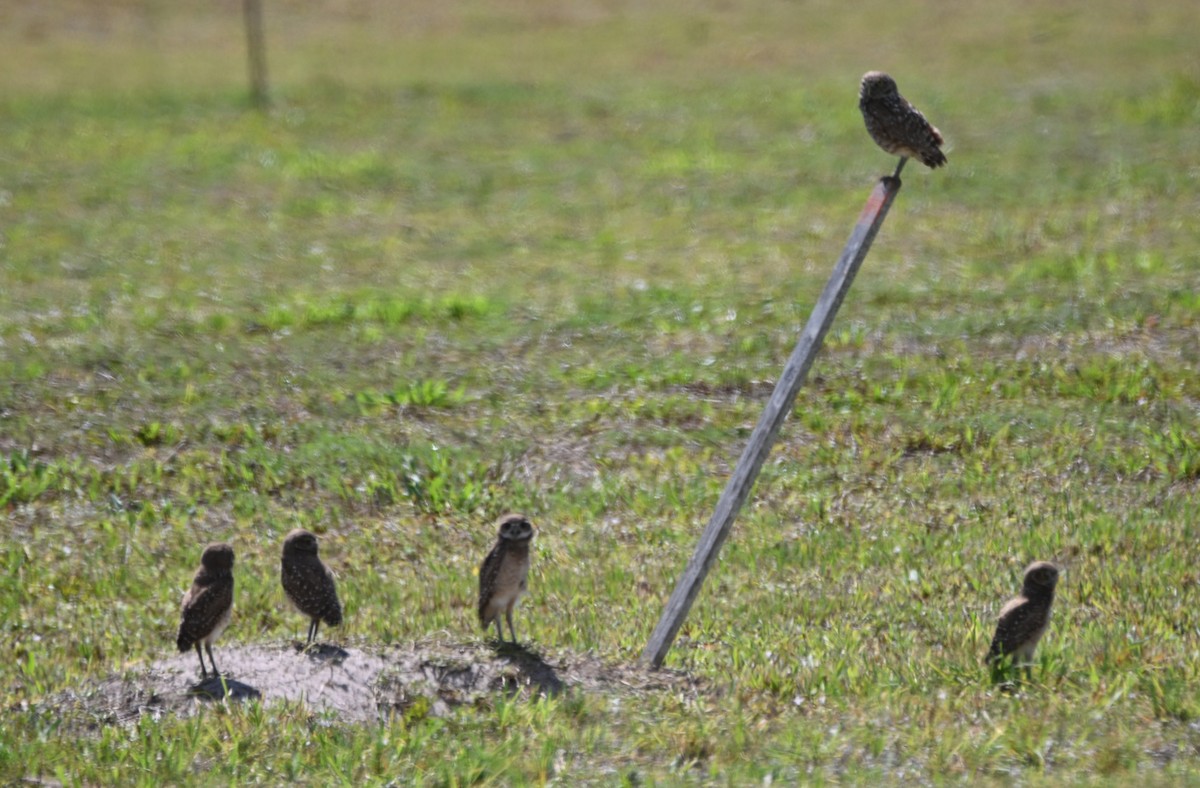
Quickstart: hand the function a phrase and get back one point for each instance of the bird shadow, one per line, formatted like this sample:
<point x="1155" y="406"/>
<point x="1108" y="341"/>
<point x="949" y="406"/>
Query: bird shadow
<point x="219" y="687"/>
<point x="532" y="669"/>
<point x="321" y="652"/>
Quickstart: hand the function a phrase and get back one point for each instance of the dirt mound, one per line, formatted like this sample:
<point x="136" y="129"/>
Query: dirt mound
<point x="353" y="684"/>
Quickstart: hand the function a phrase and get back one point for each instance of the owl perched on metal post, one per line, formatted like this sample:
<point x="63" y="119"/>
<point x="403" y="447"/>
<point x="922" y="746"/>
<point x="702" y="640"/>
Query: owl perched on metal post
<point x="1024" y="619"/>
<point x="208" y="604"/>
<point x="897" y="126"/>
<point x="308" y="583"/>
<point x="502" y="577"/>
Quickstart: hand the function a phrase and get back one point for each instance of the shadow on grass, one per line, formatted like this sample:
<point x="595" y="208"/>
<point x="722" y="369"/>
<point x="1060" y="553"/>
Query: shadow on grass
<point x="221" y="687"/>
<point x="533" y="670"/>
<point x="321" y="652"/>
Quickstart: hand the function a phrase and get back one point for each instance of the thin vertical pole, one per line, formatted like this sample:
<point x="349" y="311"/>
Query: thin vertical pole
<point x="257" y="47"/>
<point x="778" y="407"/>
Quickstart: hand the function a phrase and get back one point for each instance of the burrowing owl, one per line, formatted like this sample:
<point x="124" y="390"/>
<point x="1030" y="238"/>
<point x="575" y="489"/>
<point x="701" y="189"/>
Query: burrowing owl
<point x="208" y="603"/>
<point x="895" y="125"/>
<point x="308" y="583"/>
<point x="502" y="577"/>
<point x="1024" y="619"/>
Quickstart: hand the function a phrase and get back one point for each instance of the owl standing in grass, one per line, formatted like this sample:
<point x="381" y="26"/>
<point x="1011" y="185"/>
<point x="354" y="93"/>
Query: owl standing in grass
<point x="502" y="577"/>
<point x="308" y="583"/>
<point x="1024" y="619"/>
<point x="208" y="604"/>
<point x="897" y="126"/>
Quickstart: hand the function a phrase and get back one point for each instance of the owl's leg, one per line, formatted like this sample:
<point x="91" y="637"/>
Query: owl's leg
<point x="312" y="631"/>
<point x="1005" y="670"/>
<point x="200" y="654"/>
<point x="499" y="629"/>
<point x="900" y="166"/>
<point x="508" y="615"/>
<point x="211" y="661"/>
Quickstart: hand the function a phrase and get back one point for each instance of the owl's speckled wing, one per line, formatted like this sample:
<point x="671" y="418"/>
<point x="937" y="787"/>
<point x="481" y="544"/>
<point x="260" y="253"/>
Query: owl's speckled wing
<point x="1022" y="622"/>
<point x="310" y="586"/>
<point x="204" y="605"/>
<point x="489" y="572"/>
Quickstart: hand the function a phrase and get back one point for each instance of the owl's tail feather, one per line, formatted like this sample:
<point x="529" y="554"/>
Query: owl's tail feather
<point x="933" y="159"/>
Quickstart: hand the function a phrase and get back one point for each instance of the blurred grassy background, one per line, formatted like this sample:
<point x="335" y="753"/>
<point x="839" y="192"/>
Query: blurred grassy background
<point x="550" y="256"/>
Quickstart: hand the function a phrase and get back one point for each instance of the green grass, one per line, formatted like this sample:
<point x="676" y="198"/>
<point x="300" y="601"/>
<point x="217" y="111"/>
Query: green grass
<point x="550" y="257"/>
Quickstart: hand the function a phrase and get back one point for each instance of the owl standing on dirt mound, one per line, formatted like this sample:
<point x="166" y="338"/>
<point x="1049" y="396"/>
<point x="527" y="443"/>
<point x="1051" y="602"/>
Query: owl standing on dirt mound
<point x="897" y="126"/>
<point x="208" y="604"/>
<point x="308" y="583"/>
<point x="1024" y="619"/>
<point x="502" y="577"/>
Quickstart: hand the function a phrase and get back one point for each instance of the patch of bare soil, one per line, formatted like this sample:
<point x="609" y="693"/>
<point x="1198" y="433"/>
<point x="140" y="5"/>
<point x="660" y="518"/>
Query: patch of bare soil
<point x="353" y="684"/>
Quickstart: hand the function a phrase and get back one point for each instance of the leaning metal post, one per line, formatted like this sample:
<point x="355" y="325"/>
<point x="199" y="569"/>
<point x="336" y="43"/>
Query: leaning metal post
<point x="778" y="406"/>
<point x="257" y="50"/>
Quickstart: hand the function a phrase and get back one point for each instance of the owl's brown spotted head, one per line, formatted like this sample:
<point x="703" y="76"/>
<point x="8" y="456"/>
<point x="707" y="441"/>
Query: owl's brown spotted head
<point x="300" y="542"/>
<point x="217" y="557"/>
<point x="1040" y="576"/>
<point x="876" y="84"/>
<point x="515" y="528"/>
